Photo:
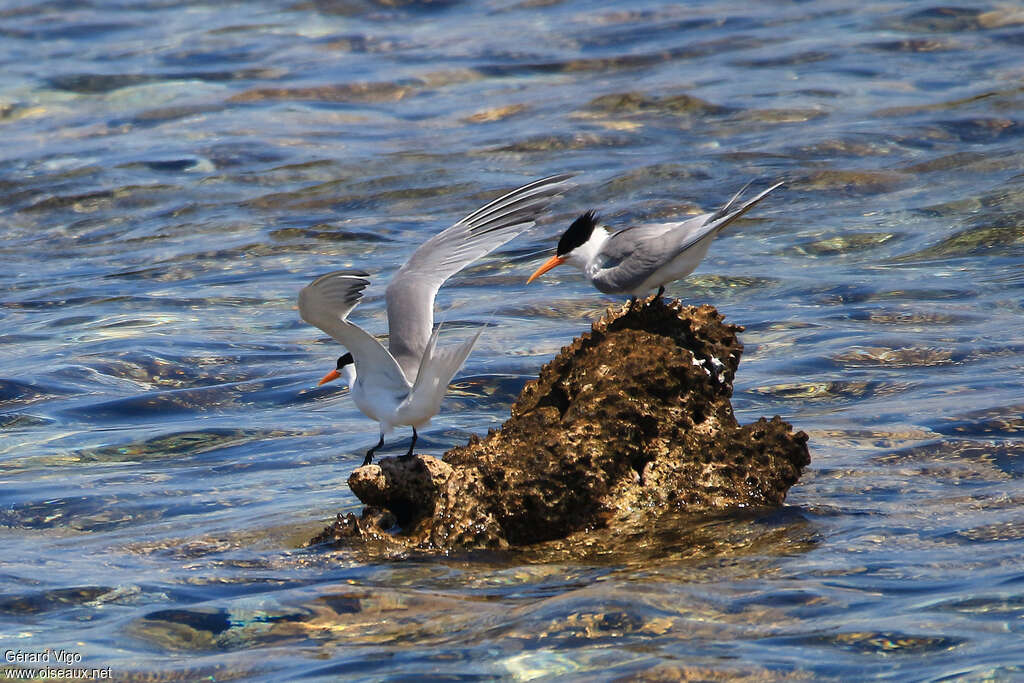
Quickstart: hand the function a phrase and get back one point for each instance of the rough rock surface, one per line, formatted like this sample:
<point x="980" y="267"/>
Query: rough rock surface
<point x="631" y="417"/>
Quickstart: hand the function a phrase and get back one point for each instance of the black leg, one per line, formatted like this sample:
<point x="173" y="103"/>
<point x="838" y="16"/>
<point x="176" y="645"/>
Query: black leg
<point x="632" y="302"/>
<point x="411" y="446"/>
<point x="661" y="291"/>
<point x="369" y="453"/>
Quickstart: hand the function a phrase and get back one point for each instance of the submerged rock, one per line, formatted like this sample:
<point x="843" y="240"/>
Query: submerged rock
<point x="632" y="419"/>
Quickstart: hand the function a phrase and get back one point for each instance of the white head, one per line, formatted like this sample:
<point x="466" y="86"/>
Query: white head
<point x="346" y="368"/>
<point x="578" y="245"/>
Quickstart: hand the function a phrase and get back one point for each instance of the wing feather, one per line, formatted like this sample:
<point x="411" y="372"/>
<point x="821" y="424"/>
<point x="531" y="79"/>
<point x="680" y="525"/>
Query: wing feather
<point x="410" y="295"/>
<point x="326" y="303"/>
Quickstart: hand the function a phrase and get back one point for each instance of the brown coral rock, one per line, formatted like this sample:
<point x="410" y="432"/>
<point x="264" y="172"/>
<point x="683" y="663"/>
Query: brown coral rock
<point x="632" y="416"/>
<point x="408" y="488"/>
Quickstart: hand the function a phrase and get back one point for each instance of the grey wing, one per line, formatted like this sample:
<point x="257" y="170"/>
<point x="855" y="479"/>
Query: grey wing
<point x="684" y="235"/>
<point x="410" y="295"/>
<point x="334" y="295"/>
<point x="326" y="303"/>
<point x="631" y="255"/>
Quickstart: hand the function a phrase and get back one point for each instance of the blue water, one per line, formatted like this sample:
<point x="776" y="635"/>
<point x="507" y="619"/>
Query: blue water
<point x="173" y="173"/>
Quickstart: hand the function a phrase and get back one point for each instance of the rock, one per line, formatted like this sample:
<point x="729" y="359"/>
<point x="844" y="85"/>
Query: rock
<point x="632" y="419"/>
<point x="637" y="102"/>
<point x="406" y="487"/>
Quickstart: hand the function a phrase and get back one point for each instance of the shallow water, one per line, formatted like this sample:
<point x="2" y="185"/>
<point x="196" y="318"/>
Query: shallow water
<point x="173" y="173"/>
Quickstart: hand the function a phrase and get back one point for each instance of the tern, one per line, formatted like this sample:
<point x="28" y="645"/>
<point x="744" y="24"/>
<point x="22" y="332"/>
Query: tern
<point x="405" y="385"/>
<point x="637" y="259"/>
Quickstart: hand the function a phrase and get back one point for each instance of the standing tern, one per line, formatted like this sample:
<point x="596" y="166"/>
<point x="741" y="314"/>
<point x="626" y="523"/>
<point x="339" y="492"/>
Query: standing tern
<point x="635" y="260"/>
<point x="405" y="385"/>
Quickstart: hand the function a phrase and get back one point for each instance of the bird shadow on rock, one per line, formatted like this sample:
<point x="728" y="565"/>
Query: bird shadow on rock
<point x="629" y="426"/>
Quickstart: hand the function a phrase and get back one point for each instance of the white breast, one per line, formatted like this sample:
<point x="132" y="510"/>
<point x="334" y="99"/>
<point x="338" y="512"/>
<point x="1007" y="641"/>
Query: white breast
<point x="377" y="403"/>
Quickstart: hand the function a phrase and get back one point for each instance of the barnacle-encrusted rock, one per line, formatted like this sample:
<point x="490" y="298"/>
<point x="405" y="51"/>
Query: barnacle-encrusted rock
<point x="632" y="417"/>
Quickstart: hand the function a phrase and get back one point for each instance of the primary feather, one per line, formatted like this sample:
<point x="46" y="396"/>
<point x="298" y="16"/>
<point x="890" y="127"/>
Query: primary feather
<point x="410" y="295"/>
<point x="326" y="303"/>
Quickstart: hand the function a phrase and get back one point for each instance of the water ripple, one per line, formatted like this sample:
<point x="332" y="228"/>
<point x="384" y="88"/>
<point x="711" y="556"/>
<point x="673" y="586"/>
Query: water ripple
<point x="174" y="172"/>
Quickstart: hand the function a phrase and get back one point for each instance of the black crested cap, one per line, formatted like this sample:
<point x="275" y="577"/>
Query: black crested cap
<point x="578" y="233"/>
<point x="345" y="360"/>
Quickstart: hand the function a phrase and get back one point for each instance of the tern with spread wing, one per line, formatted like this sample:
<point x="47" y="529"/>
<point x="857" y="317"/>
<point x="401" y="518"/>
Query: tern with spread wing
<point x="638" y="259"/>
<point x="405" y="385"/>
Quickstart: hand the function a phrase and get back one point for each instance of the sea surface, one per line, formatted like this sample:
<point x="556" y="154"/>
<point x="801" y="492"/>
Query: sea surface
<point x="172" y="173"/>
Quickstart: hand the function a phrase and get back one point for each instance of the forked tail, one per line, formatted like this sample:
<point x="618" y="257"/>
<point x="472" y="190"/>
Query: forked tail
<point x="730" y="212"/>
<point x="437" y="368"/>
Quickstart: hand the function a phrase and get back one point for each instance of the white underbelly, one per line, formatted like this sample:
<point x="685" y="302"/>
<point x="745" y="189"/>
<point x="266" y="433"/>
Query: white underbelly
<point x="391" y="409"/>
<point x="416" y="416"/>
<point x="377" y="404"/>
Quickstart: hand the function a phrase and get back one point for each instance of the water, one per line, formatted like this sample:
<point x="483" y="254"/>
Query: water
<point x="173" y="173"/>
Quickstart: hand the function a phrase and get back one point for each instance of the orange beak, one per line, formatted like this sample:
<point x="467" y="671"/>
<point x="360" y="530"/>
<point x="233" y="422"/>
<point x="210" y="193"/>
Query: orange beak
<point x="329" y="377"/>
<point x="548" y="265"/>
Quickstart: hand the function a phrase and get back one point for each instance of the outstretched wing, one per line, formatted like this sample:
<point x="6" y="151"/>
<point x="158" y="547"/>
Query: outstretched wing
<point x="410" y="296"/>
<point x="326" y="303"/>
<point x="333" y="295"/>
<point x="436" y="370"/>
